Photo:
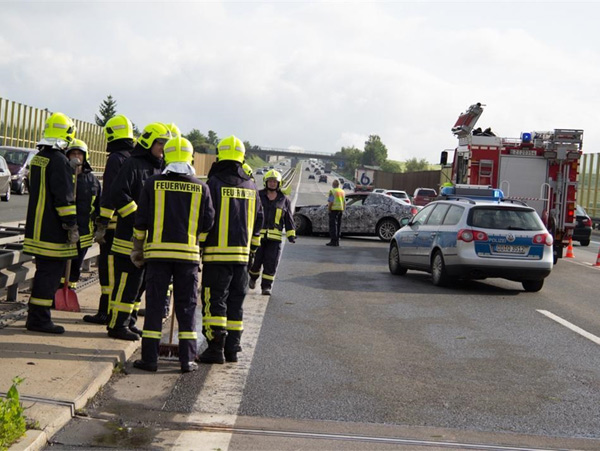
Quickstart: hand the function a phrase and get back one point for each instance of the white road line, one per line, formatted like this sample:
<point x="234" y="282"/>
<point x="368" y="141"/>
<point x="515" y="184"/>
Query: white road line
<point x="221" y="395"/>
<point x="571" y="326"/>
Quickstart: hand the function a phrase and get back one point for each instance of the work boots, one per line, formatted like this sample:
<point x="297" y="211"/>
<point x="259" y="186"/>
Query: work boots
<point x="232" y="345"/>
<point x="215" y="351"/>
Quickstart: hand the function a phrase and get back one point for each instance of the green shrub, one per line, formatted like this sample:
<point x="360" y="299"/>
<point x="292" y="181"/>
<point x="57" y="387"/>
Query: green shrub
<point x="12" y="420"/>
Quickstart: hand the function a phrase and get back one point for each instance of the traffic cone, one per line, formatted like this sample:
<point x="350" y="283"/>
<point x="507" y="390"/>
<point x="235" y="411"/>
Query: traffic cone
<point x="597" y="259"/>
<point x="570" y="249"/>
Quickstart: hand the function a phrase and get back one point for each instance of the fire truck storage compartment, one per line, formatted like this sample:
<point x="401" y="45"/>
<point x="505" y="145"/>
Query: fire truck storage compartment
<point x="524" y="177"/>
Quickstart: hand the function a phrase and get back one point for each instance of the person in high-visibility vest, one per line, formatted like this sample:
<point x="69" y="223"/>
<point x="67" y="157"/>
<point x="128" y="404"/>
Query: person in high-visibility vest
<point x="278" y="215"/>
<point x="336" y="205"/>
<point x="174" y="213"/>
<point x="226" y="251"/>
<point x="51" y="232"/>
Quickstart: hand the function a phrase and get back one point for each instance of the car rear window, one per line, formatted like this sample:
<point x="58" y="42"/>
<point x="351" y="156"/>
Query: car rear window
<point x="427" y="192"/>
<point x="504" y="218"/>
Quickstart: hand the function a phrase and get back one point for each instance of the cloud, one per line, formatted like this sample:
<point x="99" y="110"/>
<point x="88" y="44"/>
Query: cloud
<point x="313" y="75"/>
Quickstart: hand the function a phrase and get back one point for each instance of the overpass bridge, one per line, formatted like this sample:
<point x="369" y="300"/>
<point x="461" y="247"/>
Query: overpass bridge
<point x="265" y="152"/>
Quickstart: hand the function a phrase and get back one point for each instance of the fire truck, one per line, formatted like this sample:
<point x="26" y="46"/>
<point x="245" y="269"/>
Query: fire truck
<point x="539" y="168"/>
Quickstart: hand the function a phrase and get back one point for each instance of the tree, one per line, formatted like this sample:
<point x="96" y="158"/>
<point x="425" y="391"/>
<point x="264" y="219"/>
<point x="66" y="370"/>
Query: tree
<point x="213" y="139"/>
<point x="413" y="165"/>
<point x="352" y="157"/>
<point x="391" y="166"/>
<point x="375" y="151"/>
<point x="108" y="108"/>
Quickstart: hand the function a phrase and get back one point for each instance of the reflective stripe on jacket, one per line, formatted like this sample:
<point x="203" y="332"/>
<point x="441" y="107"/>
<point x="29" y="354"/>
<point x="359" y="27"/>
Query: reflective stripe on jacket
<point x="238" y="215"/>
<point x="51" y="205"/>
<point x="277" y="215"/>
<point x="173" y="211"/>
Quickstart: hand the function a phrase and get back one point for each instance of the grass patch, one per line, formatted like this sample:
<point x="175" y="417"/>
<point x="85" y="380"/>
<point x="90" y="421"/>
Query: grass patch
<point x="12" y="421"/>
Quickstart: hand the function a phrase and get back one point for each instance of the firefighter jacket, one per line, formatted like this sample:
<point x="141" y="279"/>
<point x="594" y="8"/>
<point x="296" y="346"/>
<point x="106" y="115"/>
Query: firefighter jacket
<point x="173" y="210"/>
<point x="125" y="192"/>
<point x="277" y="215"/>
<point x="51" y="204"/>
<point x="118" y="152"/>
<point x="88" y="204"/>
<point x="238" y="217"/>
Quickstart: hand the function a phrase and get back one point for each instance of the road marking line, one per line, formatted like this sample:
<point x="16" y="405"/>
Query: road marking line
<point x="571" y="326"/>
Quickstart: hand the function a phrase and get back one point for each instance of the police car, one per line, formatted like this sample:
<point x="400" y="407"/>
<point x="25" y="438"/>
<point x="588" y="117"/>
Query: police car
<point x="464" y="238"/>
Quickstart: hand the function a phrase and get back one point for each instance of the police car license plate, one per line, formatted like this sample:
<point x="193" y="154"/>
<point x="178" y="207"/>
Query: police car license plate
<point x="508" y="249"/>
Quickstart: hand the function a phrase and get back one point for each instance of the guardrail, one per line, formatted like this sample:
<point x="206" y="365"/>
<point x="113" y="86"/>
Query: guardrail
<point x="17" y="267"/>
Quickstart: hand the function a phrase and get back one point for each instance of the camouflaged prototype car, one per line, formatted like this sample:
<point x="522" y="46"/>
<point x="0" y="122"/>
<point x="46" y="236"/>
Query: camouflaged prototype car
<point x="366" y="214"/>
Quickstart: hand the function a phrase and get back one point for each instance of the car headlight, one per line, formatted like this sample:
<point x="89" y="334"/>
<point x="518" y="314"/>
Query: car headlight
<point x="14" y="177"/>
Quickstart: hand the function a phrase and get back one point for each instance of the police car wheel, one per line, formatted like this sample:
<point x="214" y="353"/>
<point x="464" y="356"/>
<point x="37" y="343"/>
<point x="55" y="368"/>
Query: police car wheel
<point x="532" y="286"/>
<point x="439" y="275"/>
<point x="394" y="261"/>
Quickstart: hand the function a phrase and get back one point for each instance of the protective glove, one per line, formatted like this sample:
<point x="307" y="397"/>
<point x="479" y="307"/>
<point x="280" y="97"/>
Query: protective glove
<point x="137" y="254"/>
<point x="100" y="232"/>
<point x="72" y="233"/>
<point x="292" y="239"/>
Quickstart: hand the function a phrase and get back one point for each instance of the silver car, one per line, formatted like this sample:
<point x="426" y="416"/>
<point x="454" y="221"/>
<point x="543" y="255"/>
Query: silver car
<point x="366" y="214"/>
<point x="4" y="180"/>
<point x="468" y="239"/>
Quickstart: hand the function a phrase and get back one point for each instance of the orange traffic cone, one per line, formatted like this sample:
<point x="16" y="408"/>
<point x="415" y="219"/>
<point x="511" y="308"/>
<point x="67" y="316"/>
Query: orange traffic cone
<point x="570" y="249"/>
<point x="597" y="259"/>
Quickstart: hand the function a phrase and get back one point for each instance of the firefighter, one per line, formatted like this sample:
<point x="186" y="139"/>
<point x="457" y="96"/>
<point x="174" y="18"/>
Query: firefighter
<point x="51" y="232"/>
<point x="226" y="251"/>
<point x="119" y="135"/>
<point x="87" y="199"/>
<point x="277" y="210"/>
<point x="144" y="162"/>
<point x="336" y="203"/>
<point x="174" y="211"/>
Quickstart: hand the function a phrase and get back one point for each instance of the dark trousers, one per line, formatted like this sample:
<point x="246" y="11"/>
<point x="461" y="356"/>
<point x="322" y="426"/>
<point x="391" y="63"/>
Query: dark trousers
<point x="185" y="296"/>
<point x="224" y="288"/>
<point x="267" y="256"/>
<point x="106" y="271"/>
<point x="126" y="291"/>
<point x="335" y="225"/>
<point x="76" y="264"/>
<point x="45" y="282"/>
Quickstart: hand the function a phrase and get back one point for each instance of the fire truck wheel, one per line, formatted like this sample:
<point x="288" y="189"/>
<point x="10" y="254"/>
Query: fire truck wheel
<point x="532" y="286"/>
<point x="394" y="261"/>
<point x="439" y="275"/>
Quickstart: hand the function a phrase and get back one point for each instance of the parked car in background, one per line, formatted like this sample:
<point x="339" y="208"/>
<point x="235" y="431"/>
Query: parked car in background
<point x="378" y="190"/>
<point x="307" y="168"/>
<point x="401" y="195"/>
<point x="369" y="214"/>
<point x="583" y="227"/>
<point x="259" y="172"/>
<point x="311" y="176"/>
<point x="468" y="239"/>
<point x="18" y="160"/>
<point x="347" y="185"/>
<point x="423" y="196"/>
<point x="4" y="180"/>
<point x="323" y="178"/>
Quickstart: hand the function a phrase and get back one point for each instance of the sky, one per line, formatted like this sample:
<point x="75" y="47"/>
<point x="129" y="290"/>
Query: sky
<point x="312" y="75"/>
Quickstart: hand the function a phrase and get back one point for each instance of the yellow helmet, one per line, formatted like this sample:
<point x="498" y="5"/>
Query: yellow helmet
<point x="231" y="148"/>
<point x="175" y="132"/>
<point x="247" y="169"/>
<point x="178" y="150"/>
<point x="118" y="127"/>
<point x="153" y="131"/>
<point x="59" y="126"/>
<point x="273" y="174"/>
<point x="78" y="144"/>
